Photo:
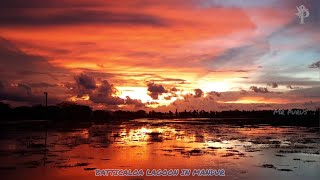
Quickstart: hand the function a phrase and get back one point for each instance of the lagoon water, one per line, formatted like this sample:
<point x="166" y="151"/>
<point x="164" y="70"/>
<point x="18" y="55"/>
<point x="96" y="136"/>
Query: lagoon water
<point x="258" y="151"/>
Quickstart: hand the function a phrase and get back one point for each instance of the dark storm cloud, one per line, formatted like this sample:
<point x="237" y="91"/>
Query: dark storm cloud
<point x="22" y="93"/>
<point x="214" y="93"/>
<point x="242" y="92"/>
<point x="273" y="85"/>
<point x="259" y="89"/>
<point x="174" y="89"/>
<point x="315" y="65"/>
<point x="85" y="81"/>
<point x="289" y="87"/>
<point x="135" y="102"/>
<point x="103" y="94"/>
<point x="44" y="17"/>
<point x="101" y="98"/>
<point x="198" y="93"/>
<point x="155" y="90"/>
<point x="106" y="88"/>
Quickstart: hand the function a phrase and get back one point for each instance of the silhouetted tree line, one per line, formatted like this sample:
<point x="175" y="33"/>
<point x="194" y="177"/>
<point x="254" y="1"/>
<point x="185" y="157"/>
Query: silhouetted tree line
<point x="65" y="112"/>
<point x="71" y="112"/>
<point x="61" y="112"/>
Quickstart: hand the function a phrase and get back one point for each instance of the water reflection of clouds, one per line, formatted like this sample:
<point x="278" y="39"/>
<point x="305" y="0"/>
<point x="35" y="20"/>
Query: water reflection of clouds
<point x="141" y="145"/>
<point x="155" y="134"/>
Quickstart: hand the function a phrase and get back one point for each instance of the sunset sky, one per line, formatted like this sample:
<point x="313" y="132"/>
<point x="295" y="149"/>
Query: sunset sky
<point x="160" y="54"/>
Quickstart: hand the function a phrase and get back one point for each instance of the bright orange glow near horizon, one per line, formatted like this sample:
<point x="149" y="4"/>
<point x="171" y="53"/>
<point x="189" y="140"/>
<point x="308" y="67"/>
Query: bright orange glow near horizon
<point x="258" y="100"/>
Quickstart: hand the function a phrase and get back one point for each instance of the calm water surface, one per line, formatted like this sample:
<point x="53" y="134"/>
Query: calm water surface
<point x="246" y="151"/>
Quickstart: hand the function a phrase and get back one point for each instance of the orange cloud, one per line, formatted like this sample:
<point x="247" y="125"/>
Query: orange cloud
<point x="181" y="44"/>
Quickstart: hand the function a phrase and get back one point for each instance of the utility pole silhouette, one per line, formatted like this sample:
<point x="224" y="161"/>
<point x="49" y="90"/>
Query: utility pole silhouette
<point x="46" y="93"/>
<point x="46" y="129"/>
